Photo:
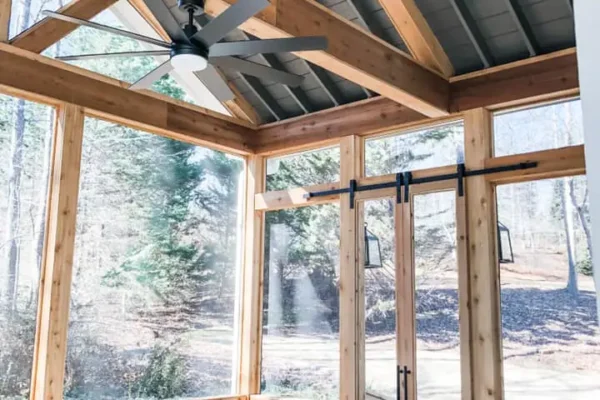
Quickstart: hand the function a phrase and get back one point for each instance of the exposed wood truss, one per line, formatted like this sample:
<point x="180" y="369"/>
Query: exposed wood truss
<point x="535" y="79"/>
<point x="353" y="53"/>
<point x="49" y="80"/>
<point x="417" y="35"/>
<point x="49" y="31"/>
<point x="5" y="8"/>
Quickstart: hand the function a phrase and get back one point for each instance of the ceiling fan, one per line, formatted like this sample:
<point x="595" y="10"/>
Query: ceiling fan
<point x="195" y="50"/>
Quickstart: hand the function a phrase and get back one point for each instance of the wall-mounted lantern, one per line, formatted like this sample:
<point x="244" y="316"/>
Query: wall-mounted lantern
<point x="505" y="251"/>
<point x="372" y="250"/>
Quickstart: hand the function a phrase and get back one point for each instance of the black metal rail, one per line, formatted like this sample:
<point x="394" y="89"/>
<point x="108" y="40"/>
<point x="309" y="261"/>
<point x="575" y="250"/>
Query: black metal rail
<point x="405" y="179"/>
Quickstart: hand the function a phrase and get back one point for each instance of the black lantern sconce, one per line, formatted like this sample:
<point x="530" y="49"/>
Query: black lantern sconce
<point x="505" y="251"/>
<point x="372" y="250"/>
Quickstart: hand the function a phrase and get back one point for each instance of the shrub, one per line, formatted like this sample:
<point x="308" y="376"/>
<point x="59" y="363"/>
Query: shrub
<point x="585" y="266"/>
<point x="164" y="377"/>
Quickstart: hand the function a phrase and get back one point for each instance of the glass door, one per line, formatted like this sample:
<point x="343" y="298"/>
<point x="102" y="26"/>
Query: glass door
<point x="432" y="298"/>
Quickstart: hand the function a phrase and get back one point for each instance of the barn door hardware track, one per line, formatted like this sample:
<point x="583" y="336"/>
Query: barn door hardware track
<point x="406" y="179"/>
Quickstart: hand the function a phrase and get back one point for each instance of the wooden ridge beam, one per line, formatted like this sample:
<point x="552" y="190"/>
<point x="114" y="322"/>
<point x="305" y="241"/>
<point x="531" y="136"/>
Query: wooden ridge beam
<point x="49" y="30"/>
<point x="417" y="35"/>
<point x="535" y="79"/>
<point x="43" y="79"/>
<point x="353" y="53"/>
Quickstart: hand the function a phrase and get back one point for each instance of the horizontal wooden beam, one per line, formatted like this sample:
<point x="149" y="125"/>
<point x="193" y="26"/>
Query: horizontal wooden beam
<point x="555" y="163"/>
<point x="530" y="79"/>
<point x="279" y="200"/>
<point x="535" y="79"/>
<point x="43" y="79"/>
<point x="353" y="53"/>
<point x="363" y="117"/>
<point x="49" y="30"/>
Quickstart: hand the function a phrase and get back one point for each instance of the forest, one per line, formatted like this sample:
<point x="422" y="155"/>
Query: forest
<point x="153" y="311"/>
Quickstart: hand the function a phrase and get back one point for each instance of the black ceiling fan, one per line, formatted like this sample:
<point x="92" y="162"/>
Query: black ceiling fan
<point x="194" y="49"/>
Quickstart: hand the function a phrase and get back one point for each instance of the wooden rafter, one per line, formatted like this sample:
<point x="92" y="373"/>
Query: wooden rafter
<point x="44" y="79"/>
<point x="534" y="79"/>
<point x="5" y="8"/>
<point x="353" y="53"/>
<point x="417" y="35"/>
<point x="49" y="31"/>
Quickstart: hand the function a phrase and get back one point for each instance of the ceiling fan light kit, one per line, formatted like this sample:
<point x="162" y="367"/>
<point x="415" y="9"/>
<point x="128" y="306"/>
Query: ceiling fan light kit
<point x="189" y="58"/>
<point x="192" y="49"/>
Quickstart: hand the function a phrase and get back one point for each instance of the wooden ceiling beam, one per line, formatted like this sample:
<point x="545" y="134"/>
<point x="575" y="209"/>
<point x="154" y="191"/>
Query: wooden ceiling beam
<point x="417" y="35"/>
<point x="5" y="8"/>
<point x="39" y="78"/>
<point x="49" y="30"/>
<point x="353" y="53"/>
<point x="526" y="81"/>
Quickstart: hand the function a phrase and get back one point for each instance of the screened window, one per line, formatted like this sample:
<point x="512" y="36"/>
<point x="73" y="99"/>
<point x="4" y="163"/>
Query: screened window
<point x="25" y="142"/>
<point x="432" y="147"/>
<point x="544" y="127"/>
<point x="549" y="301"/>
<point x="154" y="285"/>
<point x="300" y="353"/>
<point x="303" y="169"/>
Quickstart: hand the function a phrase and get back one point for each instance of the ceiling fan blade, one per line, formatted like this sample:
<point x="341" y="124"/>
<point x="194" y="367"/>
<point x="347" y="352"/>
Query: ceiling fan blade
<point x="150" y="53"/>
<point x="215" y="84"/>
<point x="105" y="28"/>
<point x="167" y="20"/>
<point x="258" y="70"/>
<point x="229" y="20"/>
<point x="250" y="47"/>
<point x="153" y="76"/>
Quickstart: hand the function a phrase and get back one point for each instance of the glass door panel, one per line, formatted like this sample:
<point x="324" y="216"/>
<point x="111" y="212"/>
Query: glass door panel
<point x="379" y="279"/>
<point x="436" y="297"/>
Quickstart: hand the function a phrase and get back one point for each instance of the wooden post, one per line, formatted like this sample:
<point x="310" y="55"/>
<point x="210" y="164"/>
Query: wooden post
<point x="350" y="151"/>
<point x="5" y="8"/>
<point x="57" y="263"/>
<point x="482" y="260"/>
<point x="252" y="281"/>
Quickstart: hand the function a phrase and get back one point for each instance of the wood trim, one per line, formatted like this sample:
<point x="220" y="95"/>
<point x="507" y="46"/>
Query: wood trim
<point x="353" y="53"/>
<point x="49" y="30"/>
<point x="555" y="163"/>
<point x="252" y="281"/>
<point x="39" y="78"/>
<point x="57" y="263"/>
<point x="349" y="387"/>
<point x="5" y="12"/>
<point x="483" y="262"/>
<point x="417" y="35"/>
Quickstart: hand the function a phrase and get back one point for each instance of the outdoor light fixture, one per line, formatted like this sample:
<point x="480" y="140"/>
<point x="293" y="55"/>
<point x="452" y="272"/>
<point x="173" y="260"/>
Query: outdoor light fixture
<point x="372" y="250"/>
<point x="505" y="251"/>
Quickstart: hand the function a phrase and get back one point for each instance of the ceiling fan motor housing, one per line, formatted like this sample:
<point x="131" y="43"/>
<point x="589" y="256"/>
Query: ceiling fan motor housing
<point x="196" y="5"/>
